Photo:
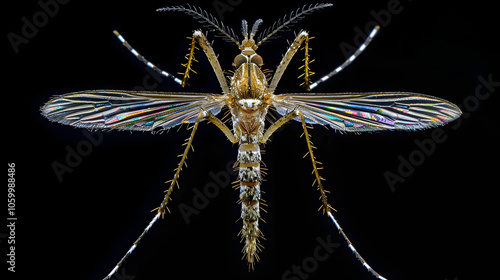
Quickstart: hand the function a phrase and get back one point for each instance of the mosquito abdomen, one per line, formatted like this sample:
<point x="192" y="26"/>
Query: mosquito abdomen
<point x="250" y="178"/>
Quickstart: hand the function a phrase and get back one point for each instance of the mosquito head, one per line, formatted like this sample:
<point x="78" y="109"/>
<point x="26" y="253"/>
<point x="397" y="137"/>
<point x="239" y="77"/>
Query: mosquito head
<point x="248" y="46"/>
<point x="248" y="57"/>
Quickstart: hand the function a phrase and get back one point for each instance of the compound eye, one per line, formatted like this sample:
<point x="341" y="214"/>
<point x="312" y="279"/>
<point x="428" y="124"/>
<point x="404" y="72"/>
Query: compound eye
<point x="238" y="60"/>
<point x="257" y="59"/>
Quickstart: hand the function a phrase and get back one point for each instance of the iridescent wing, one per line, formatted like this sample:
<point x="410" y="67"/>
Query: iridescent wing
<point x="357" y="112"/>
<point x="129" y="110"/>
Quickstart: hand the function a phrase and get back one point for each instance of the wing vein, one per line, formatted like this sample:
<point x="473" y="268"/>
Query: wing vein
<point x="129" y="110"/>
<point x="357" y="112"/>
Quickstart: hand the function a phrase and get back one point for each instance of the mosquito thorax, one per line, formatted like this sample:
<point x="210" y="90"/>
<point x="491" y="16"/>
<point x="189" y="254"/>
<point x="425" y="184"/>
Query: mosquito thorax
<point x="248" y="82"/>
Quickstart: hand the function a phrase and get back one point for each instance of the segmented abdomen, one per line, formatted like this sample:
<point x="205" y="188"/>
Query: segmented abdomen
<point x="250" y="179"/>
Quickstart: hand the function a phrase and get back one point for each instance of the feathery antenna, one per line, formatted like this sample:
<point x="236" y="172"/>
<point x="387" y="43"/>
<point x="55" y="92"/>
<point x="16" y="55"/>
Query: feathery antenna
<point x="206" y="18"/>
<point x="289" y="20"/>
<point x="255" y="27"/>
<point x="244" y="28"/>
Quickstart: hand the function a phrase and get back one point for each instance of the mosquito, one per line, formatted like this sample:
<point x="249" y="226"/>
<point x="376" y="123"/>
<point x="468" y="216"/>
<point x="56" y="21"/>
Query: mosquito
<point x="248" y="94"/>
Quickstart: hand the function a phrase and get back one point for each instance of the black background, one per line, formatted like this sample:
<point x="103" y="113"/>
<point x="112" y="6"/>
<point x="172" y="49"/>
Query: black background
<point x="437" y="224"/>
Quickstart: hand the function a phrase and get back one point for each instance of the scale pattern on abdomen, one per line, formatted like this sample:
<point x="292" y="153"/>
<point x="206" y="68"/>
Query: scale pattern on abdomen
<point x="250" y="179"/>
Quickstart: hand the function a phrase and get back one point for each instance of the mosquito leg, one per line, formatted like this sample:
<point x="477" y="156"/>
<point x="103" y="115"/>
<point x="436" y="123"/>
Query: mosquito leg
<point x="223" y="127"/>
<point x="294" y="47"/>
<point x="212" y="58"/>
<point x="307" y="71"/>
<point x="189" y="63"/>
<point x="349" y="60"/>
<point x="326" y="207"/>
<point x="129" y="252"/>
<point x="358" y="256"/>
<point x="281" y="121"/>
<point x="163" y="207"/>
<point x="144" y="60"/>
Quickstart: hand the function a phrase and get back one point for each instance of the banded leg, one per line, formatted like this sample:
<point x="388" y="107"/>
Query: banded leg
<point x="358" y="256"/>
<point x="129" y="252"/>
<point x="349" y="60"/>
<point x="326" y="207"/>
<point x="144" y="60"/>
<point x="161" y="209"/>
